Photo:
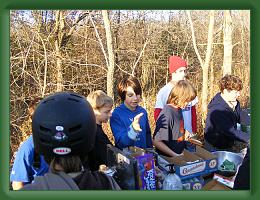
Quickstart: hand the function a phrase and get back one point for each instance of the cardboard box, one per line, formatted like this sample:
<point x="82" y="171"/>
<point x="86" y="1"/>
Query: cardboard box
<point x="133" y="168"/>
<point x="125" y="167"/>
<point x="190" y="164"/>
<point x="214" y="185"/>
<point x="195" y="183"/>
<point x="228" y="181"/>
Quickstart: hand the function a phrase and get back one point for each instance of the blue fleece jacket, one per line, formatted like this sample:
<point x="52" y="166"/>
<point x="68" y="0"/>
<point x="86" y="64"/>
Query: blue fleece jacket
<point x="221" y="124"/>
<point x="23" y="169"/>
<point x="121" y="125"/>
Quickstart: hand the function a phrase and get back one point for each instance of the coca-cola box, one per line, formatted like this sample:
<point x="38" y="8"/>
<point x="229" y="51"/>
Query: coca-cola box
<point x="190" y="164"/>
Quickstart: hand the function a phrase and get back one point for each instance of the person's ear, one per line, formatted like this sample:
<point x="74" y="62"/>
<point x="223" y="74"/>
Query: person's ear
<point x="96" y="111"/>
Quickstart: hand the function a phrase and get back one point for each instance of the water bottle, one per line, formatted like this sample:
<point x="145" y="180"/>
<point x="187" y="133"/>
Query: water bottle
<point x="172" y="181"/>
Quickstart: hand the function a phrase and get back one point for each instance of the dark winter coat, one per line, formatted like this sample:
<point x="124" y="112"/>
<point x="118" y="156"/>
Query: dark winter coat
<point x="221" y="124"/>
<point x="86" y="180"/>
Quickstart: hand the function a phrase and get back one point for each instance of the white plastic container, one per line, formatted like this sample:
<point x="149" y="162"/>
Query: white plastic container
<point x="172" y="181"/>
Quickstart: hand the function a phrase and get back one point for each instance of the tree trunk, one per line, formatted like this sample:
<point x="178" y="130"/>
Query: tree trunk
<point x="60" y="85"/>
<point x="59" y="25"/>
<point x="204" y="64"/>
<point x="211" y="80"/>
<point x="116" y="36"/>
<point x="227" y="42"/>
<point x="61" y="39"/>
<point x="111" y="65"/>
<point x="205" y="67"/>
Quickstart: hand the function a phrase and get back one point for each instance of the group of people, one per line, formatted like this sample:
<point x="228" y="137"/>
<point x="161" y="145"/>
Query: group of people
<point x="68" y="143"/>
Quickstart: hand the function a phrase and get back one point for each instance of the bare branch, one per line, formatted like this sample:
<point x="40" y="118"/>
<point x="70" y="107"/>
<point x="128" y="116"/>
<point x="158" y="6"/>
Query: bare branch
<point x="194" y="38"/>
<point x="210" y="37"/>
<point x="79" y="18"/>
<point x="43" y="88"/>
<point x="123" y="70"/>
<point x="99" y="39"/>
<point x="139" y="57"/>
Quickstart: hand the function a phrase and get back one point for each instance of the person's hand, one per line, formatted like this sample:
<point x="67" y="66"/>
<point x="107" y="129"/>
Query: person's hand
<point x="187" y="135"/>
<point x="174" y="155"/>
<point x="181" y="154"/>
<point x="158" y="173"/>
<point x="160" y="176"/>
<point x="135" y="124"/>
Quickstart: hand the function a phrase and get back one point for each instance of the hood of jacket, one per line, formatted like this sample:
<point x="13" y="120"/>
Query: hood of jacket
<point x="218" y="102"/>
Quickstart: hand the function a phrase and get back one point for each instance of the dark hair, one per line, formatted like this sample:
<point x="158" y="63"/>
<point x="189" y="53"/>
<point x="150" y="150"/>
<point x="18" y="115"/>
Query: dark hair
<point x="230" y="82"/>
<point x="126" y="82"/>
<point x="182" y="92"/>
<point x="70" y="163"/>
<point x="32" y="105"/>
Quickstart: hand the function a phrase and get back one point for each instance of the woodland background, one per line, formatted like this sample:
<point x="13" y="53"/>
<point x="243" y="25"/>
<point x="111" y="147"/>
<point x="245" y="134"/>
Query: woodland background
<point x="86" y="50"/>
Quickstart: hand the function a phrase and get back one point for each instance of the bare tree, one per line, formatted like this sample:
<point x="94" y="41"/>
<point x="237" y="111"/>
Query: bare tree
<point x="204" y="63"/>
<point x="59" y="34"/>
<point x="227" y="42"/>
<point x="61" y="39"/>
<point x="111" y="56"/>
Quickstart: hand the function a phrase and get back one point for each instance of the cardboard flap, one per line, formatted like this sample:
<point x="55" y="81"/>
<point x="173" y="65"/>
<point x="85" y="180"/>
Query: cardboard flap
<point x="203" y="153"/>
<point x="215" y="185"/>
<point x="190" y="157"/>
<point x="184" y="159"/>
<point x="190" y="164"/>
<point x="136" y="151"/>
<point x="175" y="160"/>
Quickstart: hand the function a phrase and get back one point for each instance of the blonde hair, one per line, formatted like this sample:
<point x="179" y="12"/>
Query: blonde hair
<point x="182" y="92"/>
<point x="99" y="99"/>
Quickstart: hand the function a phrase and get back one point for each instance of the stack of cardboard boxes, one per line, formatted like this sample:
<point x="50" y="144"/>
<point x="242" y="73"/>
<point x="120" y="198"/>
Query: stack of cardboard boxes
<point x="191" y="167"/>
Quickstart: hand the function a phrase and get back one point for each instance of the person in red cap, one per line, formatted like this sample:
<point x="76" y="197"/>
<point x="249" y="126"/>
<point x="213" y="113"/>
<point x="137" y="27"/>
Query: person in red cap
<point x="177" y="68"/>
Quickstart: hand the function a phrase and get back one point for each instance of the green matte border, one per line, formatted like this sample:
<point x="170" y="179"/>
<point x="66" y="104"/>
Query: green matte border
<point x="7" y="5"/>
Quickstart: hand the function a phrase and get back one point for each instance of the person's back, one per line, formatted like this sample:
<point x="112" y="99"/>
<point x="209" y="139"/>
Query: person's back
<point x="27" y="164"/>
<point x="64" y="133"/>
<point x="23" y="170"/>
<point x="85" y="180"/>
<point x="51" y="181"/>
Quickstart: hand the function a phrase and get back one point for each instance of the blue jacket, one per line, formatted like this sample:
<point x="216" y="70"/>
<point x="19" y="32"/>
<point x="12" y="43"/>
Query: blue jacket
<point x="121" y="121"/>
<point x="221" y="124"/>
<point x="23" y="170"/>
